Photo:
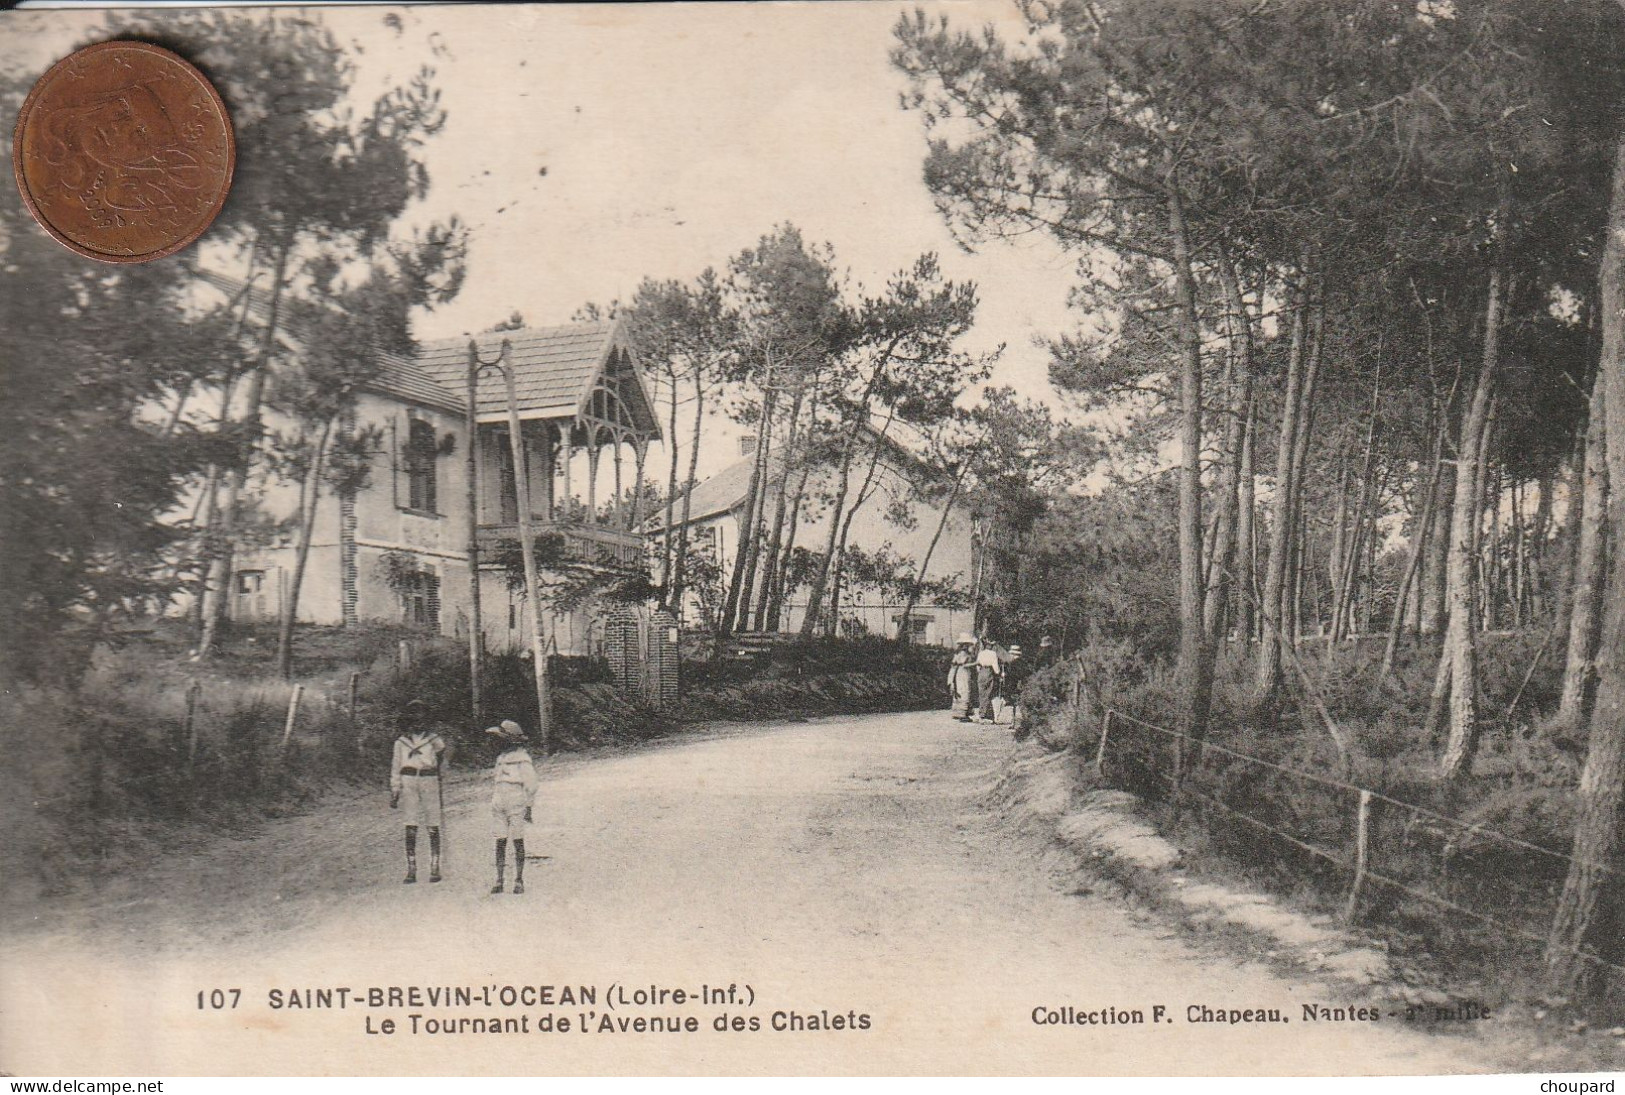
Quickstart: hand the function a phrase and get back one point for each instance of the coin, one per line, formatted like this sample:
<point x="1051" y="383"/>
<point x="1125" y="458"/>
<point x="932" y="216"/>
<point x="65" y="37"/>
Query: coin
<point x="124" y="152"/>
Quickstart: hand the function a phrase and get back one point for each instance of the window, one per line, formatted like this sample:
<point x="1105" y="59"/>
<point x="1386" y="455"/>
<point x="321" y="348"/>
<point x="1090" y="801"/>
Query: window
<point x="747" y="445"/>
<point x="421" y="600"/>
<point x="422" y="451"/>
<point x="917" y="625"/>
<point x="251" y="599"/>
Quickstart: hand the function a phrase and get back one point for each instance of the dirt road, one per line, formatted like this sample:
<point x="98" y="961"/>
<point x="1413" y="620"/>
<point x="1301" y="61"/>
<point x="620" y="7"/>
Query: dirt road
<point x="846" y="867"/>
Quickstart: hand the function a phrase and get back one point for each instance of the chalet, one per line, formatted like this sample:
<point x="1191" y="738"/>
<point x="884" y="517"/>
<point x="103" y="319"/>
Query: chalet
<point x="398" y="549"/>
<point x="891" y="519"/>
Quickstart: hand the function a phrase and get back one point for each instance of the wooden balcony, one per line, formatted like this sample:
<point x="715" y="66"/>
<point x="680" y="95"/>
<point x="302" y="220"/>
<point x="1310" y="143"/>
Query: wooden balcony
<point x="589" y="544"/>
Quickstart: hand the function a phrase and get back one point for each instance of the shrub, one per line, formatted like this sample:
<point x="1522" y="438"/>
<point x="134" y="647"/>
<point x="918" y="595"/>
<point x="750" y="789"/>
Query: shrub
<point x="1494" y="843"/>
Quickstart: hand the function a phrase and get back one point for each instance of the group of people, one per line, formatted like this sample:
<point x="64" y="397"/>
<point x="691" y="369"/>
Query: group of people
<point x="416" y="766"/>
<point x="985" y="676"/>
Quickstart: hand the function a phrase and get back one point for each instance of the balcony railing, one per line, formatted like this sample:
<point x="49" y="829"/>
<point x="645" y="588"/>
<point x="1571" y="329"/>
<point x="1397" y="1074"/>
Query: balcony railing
<point x="591" y="544"/>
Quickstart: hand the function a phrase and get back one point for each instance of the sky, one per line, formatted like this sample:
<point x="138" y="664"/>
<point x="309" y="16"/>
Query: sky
<point x="672" y="137"/>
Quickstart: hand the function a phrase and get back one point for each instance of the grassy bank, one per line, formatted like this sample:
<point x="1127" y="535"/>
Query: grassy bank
<point x="1462" y="879"/>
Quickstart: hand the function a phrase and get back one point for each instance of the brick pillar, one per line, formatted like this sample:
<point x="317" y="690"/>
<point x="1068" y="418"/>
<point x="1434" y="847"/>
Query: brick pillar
<point x="348" y="584"/>
<point x="663" y="658"/>
<point x="621" y="649"/>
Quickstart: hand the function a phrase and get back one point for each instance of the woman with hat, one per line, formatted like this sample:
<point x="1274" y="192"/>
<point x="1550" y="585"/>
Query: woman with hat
<point x="962" y="677"/>
<point x="989" y="678"/>
<point x="512" y="795"/>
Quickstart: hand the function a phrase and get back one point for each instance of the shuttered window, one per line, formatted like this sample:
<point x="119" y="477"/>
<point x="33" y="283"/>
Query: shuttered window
<point x="421" y="457"/>
<point x="422" y="601"/>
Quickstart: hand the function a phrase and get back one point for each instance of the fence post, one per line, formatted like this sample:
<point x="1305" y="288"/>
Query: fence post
<point x="1362" y="846"/>
<point x="1105" y="732"/>
<point x="355" y="688"/>
<point x="193" y="692"/>
<point x="293" y="713"/>
<point x="1176" y="749"/>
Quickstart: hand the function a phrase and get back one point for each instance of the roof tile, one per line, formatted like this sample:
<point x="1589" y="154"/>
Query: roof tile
<point x="554" y="364"/>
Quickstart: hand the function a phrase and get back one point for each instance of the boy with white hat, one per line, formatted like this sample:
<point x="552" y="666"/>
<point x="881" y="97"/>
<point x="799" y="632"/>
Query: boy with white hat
<point x="513" y="793"/>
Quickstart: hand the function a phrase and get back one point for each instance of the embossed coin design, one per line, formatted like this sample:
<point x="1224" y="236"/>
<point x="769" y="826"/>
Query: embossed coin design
<point x="124" y="152"/>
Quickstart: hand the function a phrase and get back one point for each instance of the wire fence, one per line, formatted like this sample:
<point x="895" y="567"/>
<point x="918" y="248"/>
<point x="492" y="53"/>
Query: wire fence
<point x="301" y="712"/>
<point x="1367" y="853"/>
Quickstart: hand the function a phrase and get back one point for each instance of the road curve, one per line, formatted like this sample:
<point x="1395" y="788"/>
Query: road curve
<point x="840" y="868"/>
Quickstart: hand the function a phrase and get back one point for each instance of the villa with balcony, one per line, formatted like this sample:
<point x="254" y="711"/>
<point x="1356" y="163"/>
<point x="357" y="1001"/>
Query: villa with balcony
<point x="398" y="549"/>
<point x="585" y="422"/>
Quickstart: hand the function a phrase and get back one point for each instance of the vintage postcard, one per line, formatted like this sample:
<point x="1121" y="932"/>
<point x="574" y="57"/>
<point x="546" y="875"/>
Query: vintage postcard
<point x="977" y="537"/>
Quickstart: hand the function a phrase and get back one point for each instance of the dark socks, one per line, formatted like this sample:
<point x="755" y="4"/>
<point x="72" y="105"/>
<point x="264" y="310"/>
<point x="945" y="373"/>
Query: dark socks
<point x="411" y="853"/>
<point x="434" y="853"/>
<point x="519" y="865"/>
<point x="502" y="851"/>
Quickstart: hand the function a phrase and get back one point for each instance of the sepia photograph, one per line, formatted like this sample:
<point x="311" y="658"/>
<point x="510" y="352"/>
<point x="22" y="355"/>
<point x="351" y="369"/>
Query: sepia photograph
<point x="941" y="538"/>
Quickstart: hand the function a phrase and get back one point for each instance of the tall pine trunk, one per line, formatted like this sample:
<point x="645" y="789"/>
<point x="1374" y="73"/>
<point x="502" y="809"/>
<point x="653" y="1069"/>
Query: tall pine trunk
<point x="1436" y="562"/>
<point x="820" y="582"/>
<point x="1268" y="678"/>
<point x="668" y="545"/>
<point x="1539" y="533"/>
<point x="864" y="493"/>
<point x="1302" y="555"/>
<point x="1590" y="562"/>
<point x="745" y="549"/>
<point x="1195" y="664"/>
<point x="674" y="595"/>
<point x="1485" y="549"/>
<point x="1343" y="622"/>
<point x="206" y="516"/>
<point x="310" y="493"/>
<point x="917" y="587"/>
<point x="1460" y="644"/>
<point x="1240" y="326"/>
<point x="1587" y="918"/>
<point x="1413" y="565"/>
<point x="217" y="591"/>
<point x="760" y="484"/>
<point x="1337" y="555"/>
<point x="860" y="419"/>
<point x="349" y="576"/>
<point x="776" y="611"/>
<point x="1247" y="528"/>
<point x="775" y="541"/>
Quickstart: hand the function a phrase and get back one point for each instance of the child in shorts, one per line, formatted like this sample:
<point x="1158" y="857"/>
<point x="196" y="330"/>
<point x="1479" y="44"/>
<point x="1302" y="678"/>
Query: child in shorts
<point x="513" y="793"/>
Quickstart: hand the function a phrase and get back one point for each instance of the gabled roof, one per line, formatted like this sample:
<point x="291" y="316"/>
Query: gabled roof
<point x="726" y="490"/>
<point x="721" y="493"/>
<point x="259" y="301"/>
<point x="557" y="369"/>
<point x="554" y="366"/>
<point x="397" y="376"/>
<point x="401" y="377"/>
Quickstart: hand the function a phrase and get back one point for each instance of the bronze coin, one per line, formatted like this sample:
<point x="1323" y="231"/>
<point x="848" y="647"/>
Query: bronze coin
<point x="124" y="152"/>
